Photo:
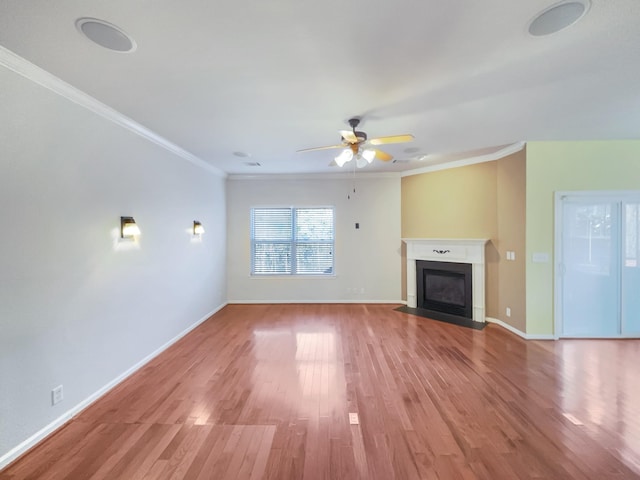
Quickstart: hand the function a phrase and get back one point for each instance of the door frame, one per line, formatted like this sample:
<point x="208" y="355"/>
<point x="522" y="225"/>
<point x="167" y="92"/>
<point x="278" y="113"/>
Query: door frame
<point x="559" y="196"/>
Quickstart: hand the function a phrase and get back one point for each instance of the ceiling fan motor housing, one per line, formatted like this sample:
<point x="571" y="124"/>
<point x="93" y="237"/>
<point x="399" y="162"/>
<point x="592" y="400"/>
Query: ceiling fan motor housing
<point x="361" y="136"/>
<point x="353" y="123"/>
<point x="353" y="140"/>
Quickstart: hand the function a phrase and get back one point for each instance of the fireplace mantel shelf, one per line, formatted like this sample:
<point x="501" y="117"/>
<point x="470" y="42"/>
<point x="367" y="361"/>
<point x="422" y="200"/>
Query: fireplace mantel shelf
<point x="460" y="250"/>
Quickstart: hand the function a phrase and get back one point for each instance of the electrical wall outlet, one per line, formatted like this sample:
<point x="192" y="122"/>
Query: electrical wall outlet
<point x="508" y="311"/>
<point x="353" y="418"/>
<point x="56" y="395"/>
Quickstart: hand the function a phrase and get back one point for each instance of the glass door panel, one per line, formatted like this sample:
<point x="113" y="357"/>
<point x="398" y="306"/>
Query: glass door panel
<point x="590" y="265"/>
<point x="631" y="269"/>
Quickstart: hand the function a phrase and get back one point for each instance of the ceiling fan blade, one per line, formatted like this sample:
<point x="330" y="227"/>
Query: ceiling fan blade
<point x="392" y="139"/>
<point x="321" y="148"/>
<point x="349" y="136"/>
<point x="380" y="155"/>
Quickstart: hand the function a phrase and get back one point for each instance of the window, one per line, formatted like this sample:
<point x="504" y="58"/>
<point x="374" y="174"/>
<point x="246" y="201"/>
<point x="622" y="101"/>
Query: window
<point x="292" y="241"/>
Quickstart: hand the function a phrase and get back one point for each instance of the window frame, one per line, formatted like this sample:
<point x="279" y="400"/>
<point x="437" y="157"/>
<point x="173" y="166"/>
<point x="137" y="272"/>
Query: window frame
<point x="293" y="242"/>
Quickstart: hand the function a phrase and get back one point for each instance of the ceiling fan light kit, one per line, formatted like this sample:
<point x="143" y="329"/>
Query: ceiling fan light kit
<point x="352" y="140"/>
<point x="361" y="162"/>
<point x="343" y="157"/>
<point x="369" y="155"/>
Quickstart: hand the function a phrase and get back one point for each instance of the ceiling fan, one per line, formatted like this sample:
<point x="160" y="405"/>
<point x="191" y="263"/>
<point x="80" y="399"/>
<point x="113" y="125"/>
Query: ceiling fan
<point x="356" y="146"/>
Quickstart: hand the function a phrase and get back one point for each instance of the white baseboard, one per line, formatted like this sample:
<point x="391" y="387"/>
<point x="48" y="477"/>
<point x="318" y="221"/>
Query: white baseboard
<point x="269" y="302"/>
<point x="540" y="336"/>
<point x="506" y="326"/>
<point x="41" y="434"/>
<point x="520" y="333"/>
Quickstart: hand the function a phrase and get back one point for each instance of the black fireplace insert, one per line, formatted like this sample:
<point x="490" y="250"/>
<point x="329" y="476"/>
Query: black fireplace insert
<point x="444" y="289"/>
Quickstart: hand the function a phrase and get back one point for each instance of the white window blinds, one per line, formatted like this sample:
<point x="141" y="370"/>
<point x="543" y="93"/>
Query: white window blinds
<point x="292" y="241"/>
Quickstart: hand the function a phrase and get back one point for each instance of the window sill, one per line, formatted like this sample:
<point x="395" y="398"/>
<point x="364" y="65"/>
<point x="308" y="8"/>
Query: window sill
<point x="294" y="277"/>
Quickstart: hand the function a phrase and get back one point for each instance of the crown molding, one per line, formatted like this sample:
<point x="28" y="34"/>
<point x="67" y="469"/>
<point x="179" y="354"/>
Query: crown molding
<point x="503" y="152"/>
<point x="313" y="176"/>
<point x="49" y="81"/>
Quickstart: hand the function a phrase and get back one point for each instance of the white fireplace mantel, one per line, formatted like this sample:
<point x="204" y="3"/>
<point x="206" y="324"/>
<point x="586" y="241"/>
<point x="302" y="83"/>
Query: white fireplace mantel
<point x="458" y="250"/>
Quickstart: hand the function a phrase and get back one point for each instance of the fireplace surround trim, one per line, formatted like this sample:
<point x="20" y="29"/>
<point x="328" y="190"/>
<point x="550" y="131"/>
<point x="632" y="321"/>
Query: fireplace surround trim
<point x="459" y="250"/>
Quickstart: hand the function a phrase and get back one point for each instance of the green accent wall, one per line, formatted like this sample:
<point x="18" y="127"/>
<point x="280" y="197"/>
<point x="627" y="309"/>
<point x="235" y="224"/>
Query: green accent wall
<point x="565" y="166"/>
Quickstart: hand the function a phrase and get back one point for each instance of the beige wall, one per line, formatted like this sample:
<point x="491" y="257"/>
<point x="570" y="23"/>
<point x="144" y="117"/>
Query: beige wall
<point x="455" y="203"/>
<point x="511" y="183"/>
<point x="367" y="259"/>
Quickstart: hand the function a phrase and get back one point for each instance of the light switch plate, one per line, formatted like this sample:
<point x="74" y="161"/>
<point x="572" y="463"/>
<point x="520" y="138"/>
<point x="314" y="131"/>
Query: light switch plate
<point x="57" y="395"/>
<point x="540" y="257"/>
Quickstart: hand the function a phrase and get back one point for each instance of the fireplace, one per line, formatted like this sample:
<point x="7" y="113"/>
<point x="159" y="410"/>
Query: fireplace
<point x="444" y="288"/>
<point x="448" y="283"/>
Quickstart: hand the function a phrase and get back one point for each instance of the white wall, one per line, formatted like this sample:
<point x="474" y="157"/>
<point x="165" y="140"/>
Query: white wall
<point x="76" y="307"/>
<point x="368" y="258"/>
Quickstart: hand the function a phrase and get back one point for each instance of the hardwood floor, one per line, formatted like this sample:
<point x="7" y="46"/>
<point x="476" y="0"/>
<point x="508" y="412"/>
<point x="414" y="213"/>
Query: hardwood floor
<point x="264" y="391"/>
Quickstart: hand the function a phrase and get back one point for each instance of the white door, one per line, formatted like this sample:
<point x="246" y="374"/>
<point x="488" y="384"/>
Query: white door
<point x="599" y="265"/>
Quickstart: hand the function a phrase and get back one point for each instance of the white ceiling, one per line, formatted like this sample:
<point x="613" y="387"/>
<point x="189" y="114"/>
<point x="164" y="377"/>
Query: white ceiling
<point x="276" y="76"/>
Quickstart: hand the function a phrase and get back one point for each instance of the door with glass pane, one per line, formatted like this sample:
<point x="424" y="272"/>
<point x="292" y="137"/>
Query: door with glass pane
<point x="631" y="268"/>
<point x="600" y="266"/>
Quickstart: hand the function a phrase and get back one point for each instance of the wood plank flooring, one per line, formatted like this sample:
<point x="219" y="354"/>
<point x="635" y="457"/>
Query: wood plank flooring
<point x="264" y="392"/>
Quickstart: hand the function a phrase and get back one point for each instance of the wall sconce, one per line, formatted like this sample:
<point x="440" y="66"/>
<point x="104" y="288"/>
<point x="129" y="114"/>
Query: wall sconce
<point x="128" y="228"/>
<point x="198" y="229"/>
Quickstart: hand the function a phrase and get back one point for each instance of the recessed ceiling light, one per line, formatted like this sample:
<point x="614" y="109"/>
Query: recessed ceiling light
<point x="412" y="150"/>
<point x="558" y="17"/>
<point x="242" y="154"/>
<point x="106" y="35"/>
